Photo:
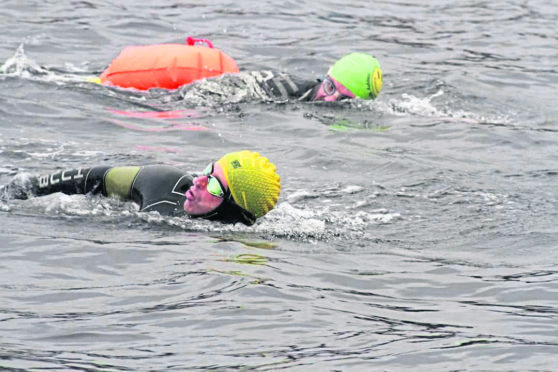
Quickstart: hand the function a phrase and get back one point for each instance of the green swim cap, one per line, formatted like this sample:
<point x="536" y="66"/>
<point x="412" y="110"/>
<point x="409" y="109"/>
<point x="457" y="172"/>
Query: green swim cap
<point x="360" y="73"/>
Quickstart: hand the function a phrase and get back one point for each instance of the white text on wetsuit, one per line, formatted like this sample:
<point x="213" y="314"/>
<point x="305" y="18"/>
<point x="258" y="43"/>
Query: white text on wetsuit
<point x="56" y="177"/>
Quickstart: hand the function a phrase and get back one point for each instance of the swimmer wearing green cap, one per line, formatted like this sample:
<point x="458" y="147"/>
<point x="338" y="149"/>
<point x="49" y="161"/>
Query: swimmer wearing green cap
<point x="240" y="187"/>
<point x="354" y="75"/>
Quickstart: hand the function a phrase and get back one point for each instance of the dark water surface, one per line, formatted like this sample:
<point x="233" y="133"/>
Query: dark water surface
<point x="416" y="232"/>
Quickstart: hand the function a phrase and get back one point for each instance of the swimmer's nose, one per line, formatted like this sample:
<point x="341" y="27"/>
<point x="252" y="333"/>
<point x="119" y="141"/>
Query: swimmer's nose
<point x="200" y="181"/>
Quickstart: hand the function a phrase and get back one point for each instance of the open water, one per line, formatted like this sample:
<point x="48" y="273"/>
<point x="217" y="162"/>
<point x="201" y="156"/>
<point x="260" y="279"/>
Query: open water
<point x="415" y="232"/>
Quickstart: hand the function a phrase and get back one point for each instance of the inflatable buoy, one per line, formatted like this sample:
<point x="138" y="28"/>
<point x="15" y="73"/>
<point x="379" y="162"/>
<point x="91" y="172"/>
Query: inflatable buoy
<point x="166" y="66"/>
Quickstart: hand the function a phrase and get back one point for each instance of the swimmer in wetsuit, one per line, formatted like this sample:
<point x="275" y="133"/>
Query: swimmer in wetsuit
<point x="239" y="187"/>
<point x="354" y="75"/>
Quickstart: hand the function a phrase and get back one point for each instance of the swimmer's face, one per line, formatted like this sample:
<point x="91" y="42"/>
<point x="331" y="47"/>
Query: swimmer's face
<point x="201" y="197"/>
<point x="331" y="90"/>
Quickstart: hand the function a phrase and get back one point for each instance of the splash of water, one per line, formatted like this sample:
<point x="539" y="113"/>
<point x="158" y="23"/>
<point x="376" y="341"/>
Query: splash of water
<point x="410" y="105"/>
<point x="19" y="65"/>
<point x="307" y="224"/>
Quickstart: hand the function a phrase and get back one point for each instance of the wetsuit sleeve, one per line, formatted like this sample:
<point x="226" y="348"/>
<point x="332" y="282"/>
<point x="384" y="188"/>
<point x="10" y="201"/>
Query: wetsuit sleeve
<point x="108" y="181"/>
<point x="282" y="85"/>
<point x="74" y="181"/>
<point x="120" y="180"/>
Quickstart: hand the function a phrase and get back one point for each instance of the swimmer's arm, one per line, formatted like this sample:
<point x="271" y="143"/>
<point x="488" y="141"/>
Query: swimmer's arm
<point x="73" y="181"/>
<point x="119" y="181"/>
<point x="282" y="85"/>
<point x="108" y="181"/>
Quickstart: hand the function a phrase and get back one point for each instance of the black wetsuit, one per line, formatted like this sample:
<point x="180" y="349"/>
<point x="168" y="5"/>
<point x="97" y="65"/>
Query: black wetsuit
<point x="285" y="86"/>
<point x="246" y="86"/>
<point x="158" y="188"/>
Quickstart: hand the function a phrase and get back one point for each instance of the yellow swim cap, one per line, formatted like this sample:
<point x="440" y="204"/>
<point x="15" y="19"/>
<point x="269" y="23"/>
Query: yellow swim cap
<point x="252" y="180"/>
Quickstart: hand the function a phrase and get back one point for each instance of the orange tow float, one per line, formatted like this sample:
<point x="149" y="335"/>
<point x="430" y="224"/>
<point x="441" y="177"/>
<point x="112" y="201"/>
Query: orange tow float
<point x="167" y="66"/>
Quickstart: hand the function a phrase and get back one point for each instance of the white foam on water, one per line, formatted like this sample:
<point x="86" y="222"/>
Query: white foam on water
<point x="19" y="65"/>
<point x="78" y="205"/>
<point x="410" y="105"/>
<point x="305" y="224"/>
